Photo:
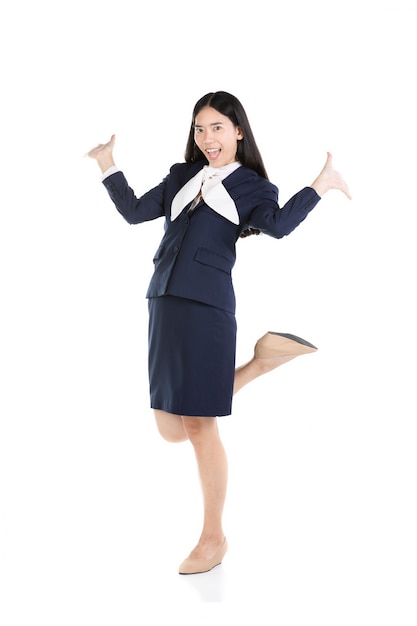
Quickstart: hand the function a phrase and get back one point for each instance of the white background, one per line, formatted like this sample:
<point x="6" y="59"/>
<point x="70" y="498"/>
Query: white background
<point x="96" y="510"/>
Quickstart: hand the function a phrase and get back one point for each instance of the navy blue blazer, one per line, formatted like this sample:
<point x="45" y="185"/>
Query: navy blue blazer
<point x="197" y="253"/>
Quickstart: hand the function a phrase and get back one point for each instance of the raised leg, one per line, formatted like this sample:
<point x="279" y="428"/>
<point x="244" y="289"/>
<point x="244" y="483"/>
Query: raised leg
<point x="271" y="351"/>
<point x="257" y="367"/>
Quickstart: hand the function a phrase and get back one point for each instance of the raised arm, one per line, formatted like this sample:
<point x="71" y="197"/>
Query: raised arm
<point x="134" y="209"/>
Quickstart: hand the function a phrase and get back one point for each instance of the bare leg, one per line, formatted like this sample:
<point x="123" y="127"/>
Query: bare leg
<point x="256" y="367"/>
<point x="203" y="434"/>
<point x="170" y="426"/>
<point x="212" y="464"/>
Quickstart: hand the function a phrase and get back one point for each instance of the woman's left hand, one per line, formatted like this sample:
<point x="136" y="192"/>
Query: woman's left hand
<point x="329" y="178"/>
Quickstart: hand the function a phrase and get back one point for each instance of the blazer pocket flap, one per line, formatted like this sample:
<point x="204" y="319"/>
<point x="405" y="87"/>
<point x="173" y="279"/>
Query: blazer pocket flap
<point x="208" y="257"/>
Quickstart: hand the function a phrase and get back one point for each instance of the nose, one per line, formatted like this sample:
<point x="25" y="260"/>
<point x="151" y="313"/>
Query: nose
<point x="208" y="136"/>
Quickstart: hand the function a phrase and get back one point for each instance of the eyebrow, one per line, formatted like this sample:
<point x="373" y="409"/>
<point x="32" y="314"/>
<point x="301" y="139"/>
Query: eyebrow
<point x="212" y="124"/>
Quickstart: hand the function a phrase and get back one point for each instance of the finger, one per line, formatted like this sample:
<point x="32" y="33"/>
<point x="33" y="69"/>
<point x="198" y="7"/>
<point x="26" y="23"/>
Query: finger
<point x="93" y="150"/>
<point x="345" y="189"/>
<point x="90" y="152"/>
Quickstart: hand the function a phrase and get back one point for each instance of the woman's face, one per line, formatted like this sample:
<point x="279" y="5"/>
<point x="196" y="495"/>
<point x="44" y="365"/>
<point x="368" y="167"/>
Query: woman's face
<point x="216" y="136"/>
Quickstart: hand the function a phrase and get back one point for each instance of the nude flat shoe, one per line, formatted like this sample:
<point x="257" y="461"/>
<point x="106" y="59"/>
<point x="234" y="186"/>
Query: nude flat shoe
<point x="281" y="344"/>
<point x="199" y="566"/>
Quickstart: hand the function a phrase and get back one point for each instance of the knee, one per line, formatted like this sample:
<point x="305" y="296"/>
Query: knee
<point x="199" y="429"/>
<point x="170" y="426"/>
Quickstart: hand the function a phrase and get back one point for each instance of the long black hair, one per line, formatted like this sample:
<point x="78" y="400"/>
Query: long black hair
<point x="247" y="151"/>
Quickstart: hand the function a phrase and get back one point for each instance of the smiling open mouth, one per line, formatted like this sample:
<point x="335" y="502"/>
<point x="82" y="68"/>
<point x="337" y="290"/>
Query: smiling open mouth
<point x="213" y="152"/>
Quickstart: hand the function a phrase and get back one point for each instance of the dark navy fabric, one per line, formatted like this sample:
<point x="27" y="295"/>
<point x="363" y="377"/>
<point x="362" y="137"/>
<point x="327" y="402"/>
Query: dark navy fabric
<point x="191" y="357"/>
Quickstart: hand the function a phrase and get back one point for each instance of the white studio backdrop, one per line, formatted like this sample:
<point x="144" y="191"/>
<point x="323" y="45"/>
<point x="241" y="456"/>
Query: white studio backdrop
<point x="96" y="510"/>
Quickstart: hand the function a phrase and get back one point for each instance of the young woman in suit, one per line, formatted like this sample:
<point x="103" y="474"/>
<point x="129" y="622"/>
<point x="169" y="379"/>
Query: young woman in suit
<point x="219" y="194"/>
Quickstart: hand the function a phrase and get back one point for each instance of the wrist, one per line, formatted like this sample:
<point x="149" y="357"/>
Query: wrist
<point x="105" y="163"/>
<point x="319" y="187"/>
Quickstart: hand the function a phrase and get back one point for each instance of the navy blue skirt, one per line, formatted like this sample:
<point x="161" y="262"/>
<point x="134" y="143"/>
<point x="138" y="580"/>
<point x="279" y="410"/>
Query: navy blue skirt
<point x="192" y="349"/>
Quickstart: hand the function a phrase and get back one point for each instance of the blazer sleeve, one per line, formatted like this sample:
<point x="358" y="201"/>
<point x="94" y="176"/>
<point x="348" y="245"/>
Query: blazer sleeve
<point x="278" y="222"/>
<point x="135" y="210"/>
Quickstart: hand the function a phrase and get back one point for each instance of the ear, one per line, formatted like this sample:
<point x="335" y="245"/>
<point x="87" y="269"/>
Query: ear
<point x="239" y="134"/>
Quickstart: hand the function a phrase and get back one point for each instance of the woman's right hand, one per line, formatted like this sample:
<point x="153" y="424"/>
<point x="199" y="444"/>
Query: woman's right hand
<point x="103" y="154"/>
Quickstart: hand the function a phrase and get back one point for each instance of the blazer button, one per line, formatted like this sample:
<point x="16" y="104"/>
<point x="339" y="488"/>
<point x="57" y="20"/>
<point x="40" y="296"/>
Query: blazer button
<point x="176" y="249"/>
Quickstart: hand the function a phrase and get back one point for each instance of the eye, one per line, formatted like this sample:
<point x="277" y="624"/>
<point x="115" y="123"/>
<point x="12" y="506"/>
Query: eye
<point x="217" y="127"/>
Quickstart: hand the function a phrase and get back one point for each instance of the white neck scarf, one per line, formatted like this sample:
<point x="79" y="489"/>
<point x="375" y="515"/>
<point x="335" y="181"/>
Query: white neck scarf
<point x="208" y="180"/>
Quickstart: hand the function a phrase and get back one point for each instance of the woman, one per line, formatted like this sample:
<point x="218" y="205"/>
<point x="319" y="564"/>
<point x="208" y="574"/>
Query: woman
<point x="220" y="193"/>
